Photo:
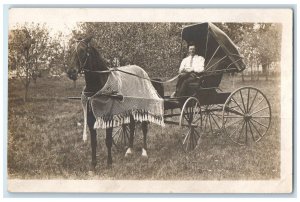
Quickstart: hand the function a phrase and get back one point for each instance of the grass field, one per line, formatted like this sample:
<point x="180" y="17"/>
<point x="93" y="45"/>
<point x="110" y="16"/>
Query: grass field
<point x="45" y="142"/>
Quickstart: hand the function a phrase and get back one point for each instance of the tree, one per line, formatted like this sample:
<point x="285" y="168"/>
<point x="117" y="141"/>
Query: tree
<point x="27" y="50"/>
<point x="259" y="43"/>
<point x="269" y="45"/>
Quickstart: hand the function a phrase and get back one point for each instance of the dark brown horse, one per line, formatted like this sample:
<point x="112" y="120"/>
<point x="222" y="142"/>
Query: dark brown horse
<point x="86" y="59"/>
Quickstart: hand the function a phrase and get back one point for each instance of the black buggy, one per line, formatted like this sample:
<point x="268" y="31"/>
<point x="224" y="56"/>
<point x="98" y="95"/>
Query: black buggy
<point x="244" y="115"/>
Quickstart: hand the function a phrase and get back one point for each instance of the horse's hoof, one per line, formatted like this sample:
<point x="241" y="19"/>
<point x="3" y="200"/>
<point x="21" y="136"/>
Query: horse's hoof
<point x="128" y="153"/>
<point x="144" y="154"/>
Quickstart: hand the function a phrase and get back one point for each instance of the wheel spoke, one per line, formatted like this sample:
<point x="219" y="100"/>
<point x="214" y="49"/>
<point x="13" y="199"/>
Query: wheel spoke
<point x="232" y="107"/>
<point x="233" y="117"/>
<point x="186" y="137"/>
<point x="117" y="132"/>
<point x="187" y="143"/>
<point x="253" y="101"/>
<point x="236" y="129"/>
<point x="256" y="129"/>
<point x="237" y="104"/>
<point x="249" y="123"/>
<point x="205" y="123"/>
<point x="198" y="118"/>
<point x="211" y="129"/>
<point x="215" y="122"/>
<point x="259" y="103"/>
<point x="217" y="115"/>
<point x="259" y="110"/>
<point x="187" y="119"/>
<point x="246" y="132"/>
<point x="261" y="117"/>
<point x="259" y="123"/>
<point x="248" y="99"/>
<point x="243" y="101"/>
<point x="234" y="123"/>
<point x="193" y="139"/>
<point x="241" y="132"/>
<point x="235" y="112"/>
<point x="190" y="141"/>
<point x="198" y="135"/>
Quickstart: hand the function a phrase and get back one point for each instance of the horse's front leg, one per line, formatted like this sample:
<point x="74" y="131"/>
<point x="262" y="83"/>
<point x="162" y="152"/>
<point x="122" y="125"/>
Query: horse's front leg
<point x="131" y="137"/>
<point x="108" y="142"/>
<point x="145" y="131"/>
<point x="91" y="121"/>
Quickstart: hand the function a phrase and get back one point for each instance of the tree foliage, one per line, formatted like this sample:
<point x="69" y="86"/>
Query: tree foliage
<point x="259" y="43"/>
<point x="153" y="46"/>
<point x="157" y="47"/>
<point x="27" y="51"/>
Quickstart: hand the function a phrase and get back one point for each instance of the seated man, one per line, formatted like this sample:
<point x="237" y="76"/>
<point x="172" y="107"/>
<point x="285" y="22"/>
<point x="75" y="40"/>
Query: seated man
<point x="189" y="70"/>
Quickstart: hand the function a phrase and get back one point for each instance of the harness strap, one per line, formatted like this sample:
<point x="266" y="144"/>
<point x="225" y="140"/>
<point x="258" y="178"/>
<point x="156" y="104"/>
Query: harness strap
<point x="129" y="73"/>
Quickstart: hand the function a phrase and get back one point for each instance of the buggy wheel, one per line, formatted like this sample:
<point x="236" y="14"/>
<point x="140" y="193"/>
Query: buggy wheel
<point x="246" y="115"/>
<point x="121" y="136"/>
<point x="212" y="119"/>
<point x="190" y="121"/>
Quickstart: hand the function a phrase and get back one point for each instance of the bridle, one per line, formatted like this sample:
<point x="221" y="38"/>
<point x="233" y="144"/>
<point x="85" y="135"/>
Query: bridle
<point x="82" y="65"/>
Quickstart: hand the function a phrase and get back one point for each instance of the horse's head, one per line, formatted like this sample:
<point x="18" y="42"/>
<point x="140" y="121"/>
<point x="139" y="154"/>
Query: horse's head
<point x="86" y="59"/>
<point x="81" y="55"/>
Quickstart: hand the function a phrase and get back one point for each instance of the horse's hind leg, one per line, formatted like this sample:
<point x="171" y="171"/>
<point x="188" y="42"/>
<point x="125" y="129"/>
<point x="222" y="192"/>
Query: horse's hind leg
<point x="108" y="142"/>
<point x="131" y="137"/>
<point x="145" y="131"/>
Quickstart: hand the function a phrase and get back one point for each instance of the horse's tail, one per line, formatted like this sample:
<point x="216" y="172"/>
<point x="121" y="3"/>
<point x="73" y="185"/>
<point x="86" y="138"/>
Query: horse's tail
<point x="158" y="87"/>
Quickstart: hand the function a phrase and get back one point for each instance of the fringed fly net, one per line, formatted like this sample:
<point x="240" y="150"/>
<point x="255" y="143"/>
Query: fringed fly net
<point x="141" y="100"/>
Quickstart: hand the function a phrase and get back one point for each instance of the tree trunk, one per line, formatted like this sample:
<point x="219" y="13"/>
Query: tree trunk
<point x="267" y="72"/>
<point x="251" y="71"/>
<point x="243" y="79"/>
<point x="257" y="69"/>
<point x="26" y="92"/>
<point x="74" y="83"/>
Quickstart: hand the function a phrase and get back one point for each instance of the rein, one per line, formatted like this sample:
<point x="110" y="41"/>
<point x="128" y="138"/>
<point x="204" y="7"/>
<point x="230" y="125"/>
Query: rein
<point x="129" y="73"/>
<point x="83" y="65"/>
<point x="155" y="81"/>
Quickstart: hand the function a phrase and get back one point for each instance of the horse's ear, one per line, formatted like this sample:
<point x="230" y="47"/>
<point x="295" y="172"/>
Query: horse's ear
<point x="88" y="39"/>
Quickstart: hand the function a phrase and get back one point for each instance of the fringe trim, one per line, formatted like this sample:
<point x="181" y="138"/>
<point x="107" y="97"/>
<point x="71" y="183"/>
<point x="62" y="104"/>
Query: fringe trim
<point x="118" y="120"/>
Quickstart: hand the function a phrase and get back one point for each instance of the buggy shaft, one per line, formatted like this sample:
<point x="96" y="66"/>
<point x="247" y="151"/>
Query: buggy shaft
<point x="117" y="97"/>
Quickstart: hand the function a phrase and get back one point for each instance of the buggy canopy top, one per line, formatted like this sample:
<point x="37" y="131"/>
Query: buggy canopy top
<point x="215" y="46"/>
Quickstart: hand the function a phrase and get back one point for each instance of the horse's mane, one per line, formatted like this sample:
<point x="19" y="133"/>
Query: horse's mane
<point x="98" y="63"/>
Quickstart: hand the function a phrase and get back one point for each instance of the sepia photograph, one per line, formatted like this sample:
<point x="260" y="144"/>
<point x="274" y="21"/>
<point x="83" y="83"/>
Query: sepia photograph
<point x="133" y="100"/>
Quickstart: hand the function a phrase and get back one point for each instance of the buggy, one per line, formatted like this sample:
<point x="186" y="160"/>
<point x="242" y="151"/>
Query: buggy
<point x="243" y="115"/>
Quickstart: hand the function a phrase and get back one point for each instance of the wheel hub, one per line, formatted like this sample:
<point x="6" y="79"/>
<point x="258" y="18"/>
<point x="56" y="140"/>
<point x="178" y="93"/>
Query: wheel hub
<point x="247" y="117"/>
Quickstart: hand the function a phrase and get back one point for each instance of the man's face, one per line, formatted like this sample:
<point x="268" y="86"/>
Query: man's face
<point x="192" y="50"/>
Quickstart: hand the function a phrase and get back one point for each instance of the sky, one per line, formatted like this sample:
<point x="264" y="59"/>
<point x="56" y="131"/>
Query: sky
<point x="56" y="21"/>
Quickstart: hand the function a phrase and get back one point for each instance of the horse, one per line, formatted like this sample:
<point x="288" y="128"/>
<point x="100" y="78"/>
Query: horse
<point x="87" y="60"/>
